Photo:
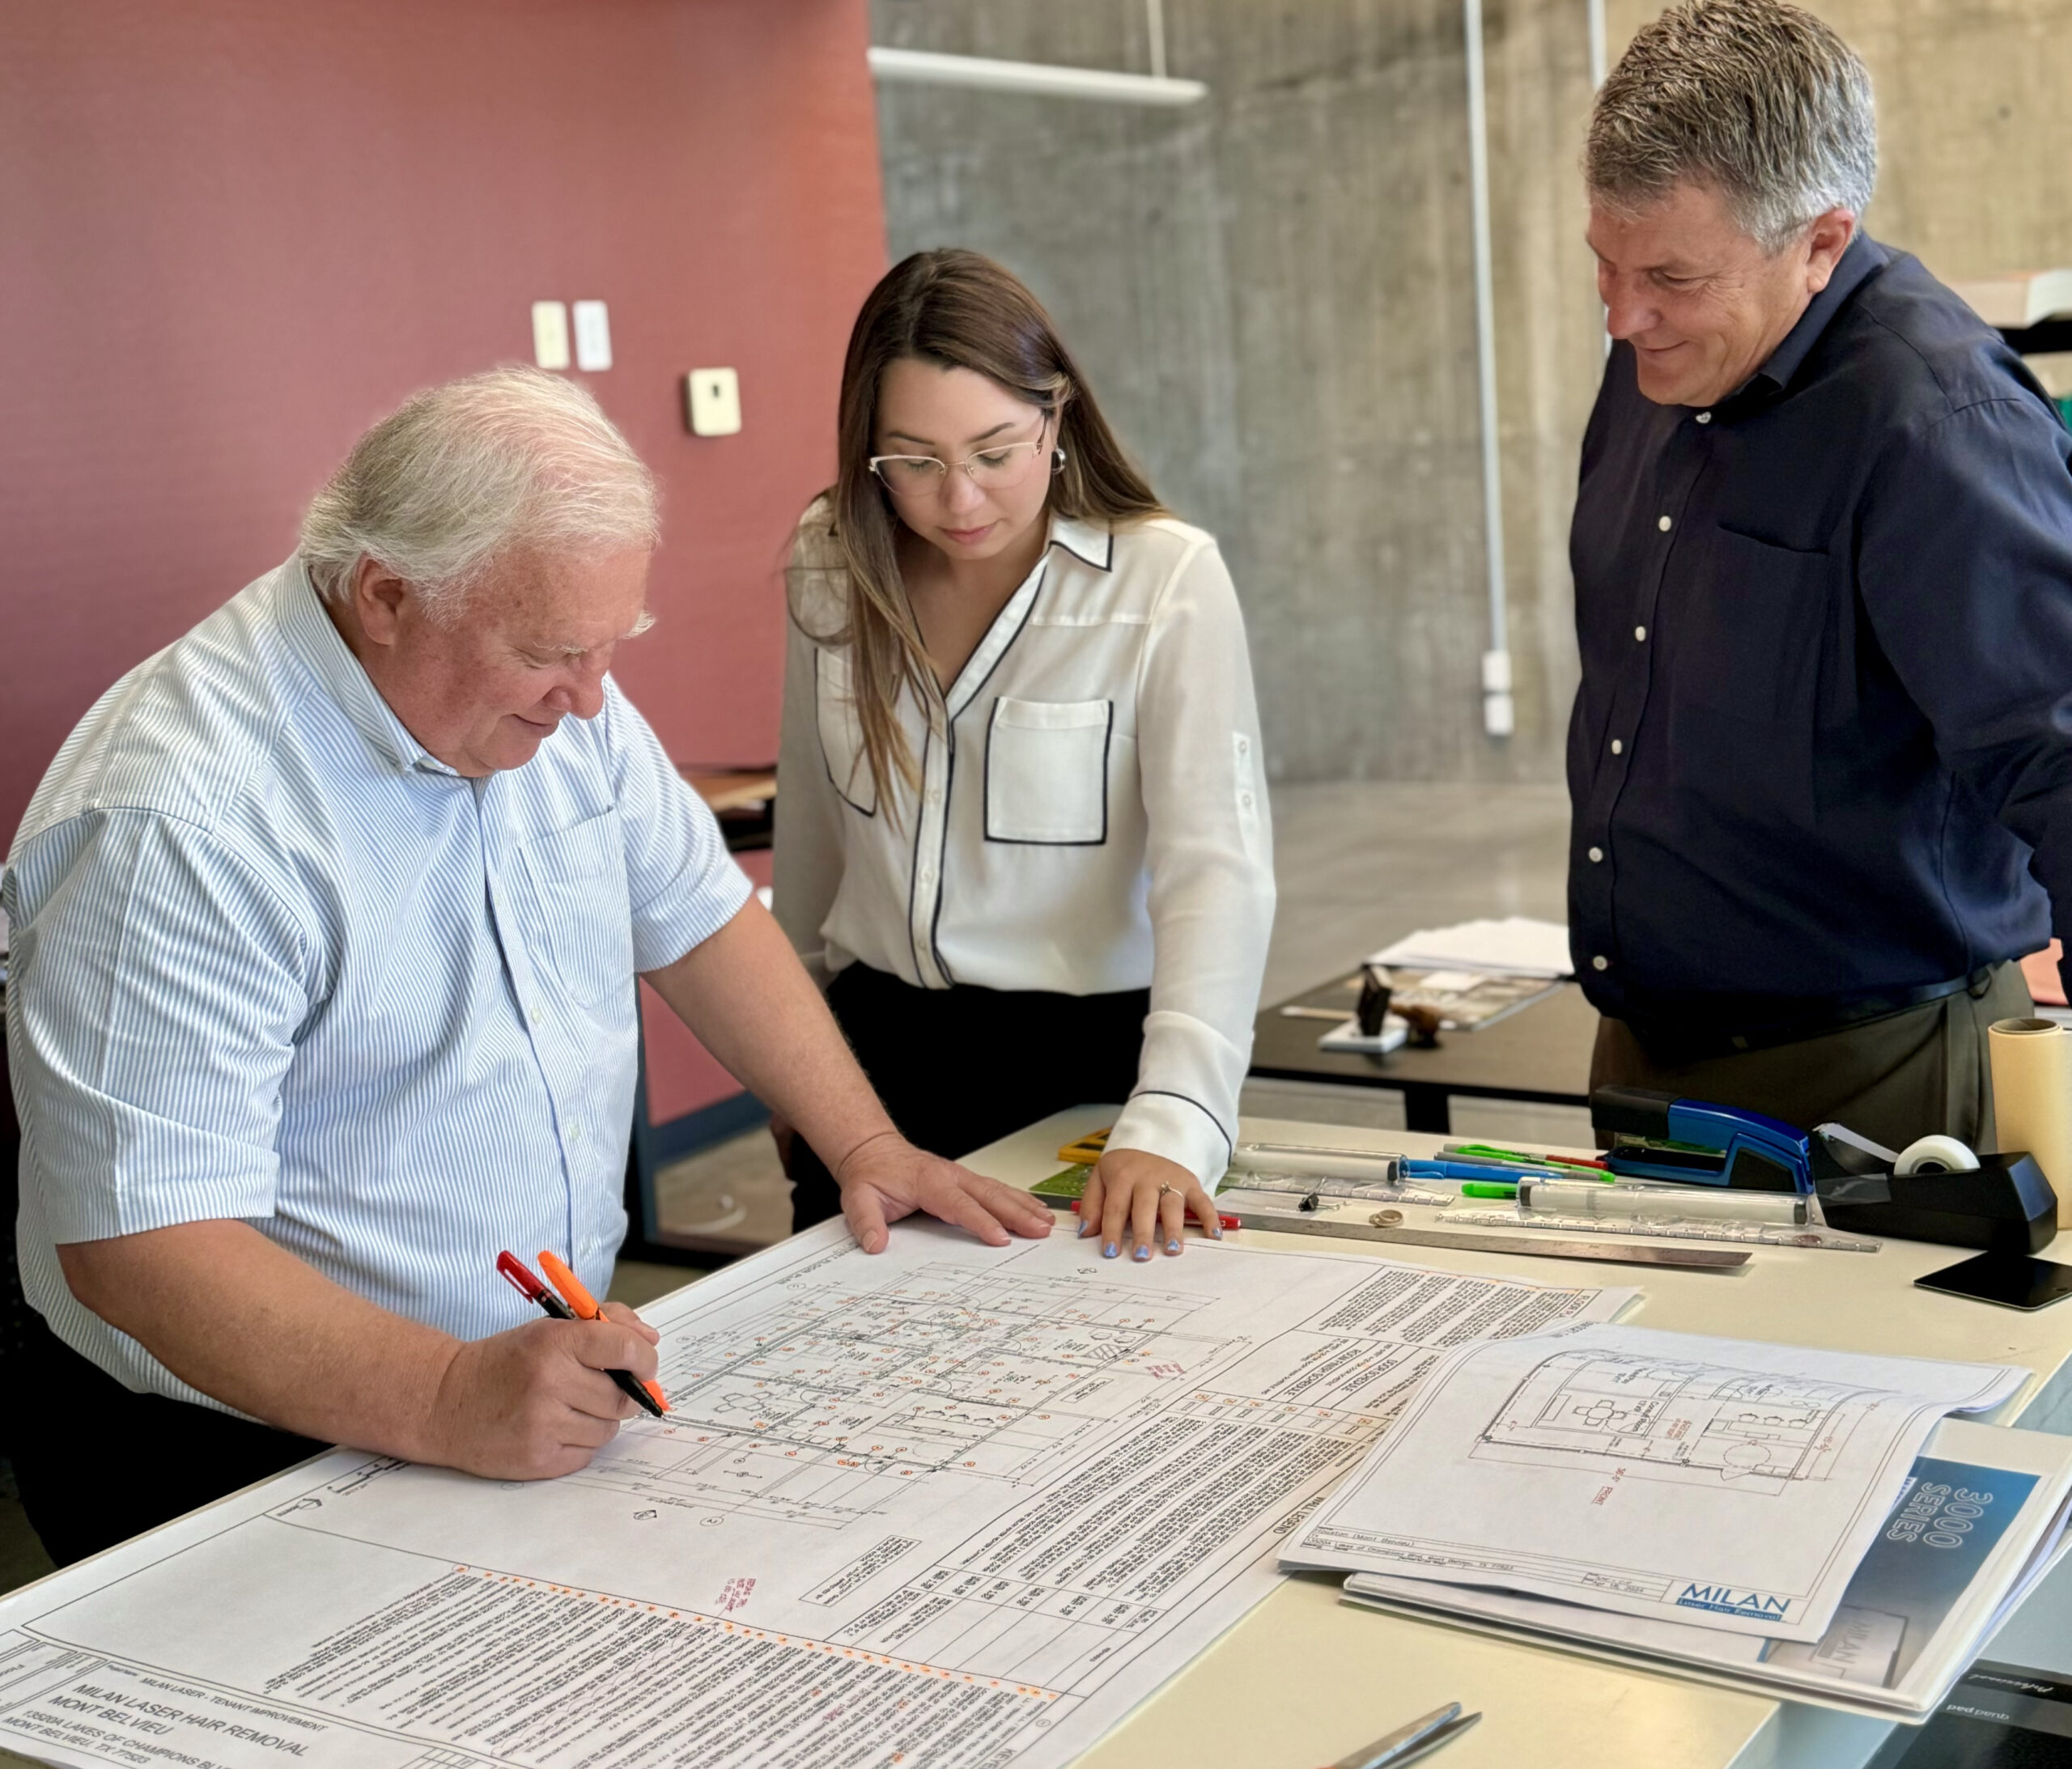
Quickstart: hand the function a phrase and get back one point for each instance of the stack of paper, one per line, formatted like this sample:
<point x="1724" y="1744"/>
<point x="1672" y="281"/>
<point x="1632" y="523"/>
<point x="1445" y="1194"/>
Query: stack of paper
<point x="1761" y="1514"/>
<point x="1517" y="946"/>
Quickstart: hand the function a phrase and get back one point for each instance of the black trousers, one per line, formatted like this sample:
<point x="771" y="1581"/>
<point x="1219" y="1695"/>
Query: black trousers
<point x="75" y="1428"/>
<point x="962" y="1066"/>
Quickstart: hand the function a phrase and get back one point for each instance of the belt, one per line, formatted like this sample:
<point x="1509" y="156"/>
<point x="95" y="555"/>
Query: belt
<point x="1673" y="1043"/>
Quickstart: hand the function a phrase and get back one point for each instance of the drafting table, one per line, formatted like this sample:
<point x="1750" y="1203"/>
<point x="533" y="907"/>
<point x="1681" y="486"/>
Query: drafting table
<point x="1305" y="1678"/>
<point x="1540" y="1054"/>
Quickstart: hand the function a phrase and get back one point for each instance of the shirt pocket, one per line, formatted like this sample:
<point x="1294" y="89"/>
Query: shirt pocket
<point x="1753" y="645"/>
<point x="586" y="919"/>
<point x="1047" y="771"/>
<point x="842" y="732"/>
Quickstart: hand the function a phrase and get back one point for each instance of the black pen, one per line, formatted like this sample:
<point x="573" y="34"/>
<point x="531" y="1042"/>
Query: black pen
<point x="519" y="1276"/>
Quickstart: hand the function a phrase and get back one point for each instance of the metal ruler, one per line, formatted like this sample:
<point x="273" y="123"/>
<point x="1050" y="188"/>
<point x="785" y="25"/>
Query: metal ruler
<point x="1346" y="1226"/>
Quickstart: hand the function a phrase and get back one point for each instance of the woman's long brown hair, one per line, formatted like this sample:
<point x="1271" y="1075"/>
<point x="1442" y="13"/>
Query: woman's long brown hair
<point x="956" y="309"/>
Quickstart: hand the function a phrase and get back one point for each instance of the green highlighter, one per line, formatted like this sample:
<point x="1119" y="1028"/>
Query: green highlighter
<point x="1475" y="1188"/>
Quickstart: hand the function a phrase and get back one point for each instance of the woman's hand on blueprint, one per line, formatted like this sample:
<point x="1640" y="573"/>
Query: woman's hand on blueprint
<point x="885" y="1177"/>
<point x="1134" y="1194"/>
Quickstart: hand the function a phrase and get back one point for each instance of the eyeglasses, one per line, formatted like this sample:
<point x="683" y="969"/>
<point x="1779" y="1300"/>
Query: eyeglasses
<point x="991" y="469"/>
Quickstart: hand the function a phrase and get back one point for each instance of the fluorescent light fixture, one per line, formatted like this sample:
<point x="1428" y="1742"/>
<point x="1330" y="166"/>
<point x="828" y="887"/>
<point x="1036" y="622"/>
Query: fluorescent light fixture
<point x="923" y="67"/>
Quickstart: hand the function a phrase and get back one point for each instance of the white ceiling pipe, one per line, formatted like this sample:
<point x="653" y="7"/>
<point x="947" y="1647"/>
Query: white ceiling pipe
<point x="923" y="67"/>
<point x="1498" y="708"/>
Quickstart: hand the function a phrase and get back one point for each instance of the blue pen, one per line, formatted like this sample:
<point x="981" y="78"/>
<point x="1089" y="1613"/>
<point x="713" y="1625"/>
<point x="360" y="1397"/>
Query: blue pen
<point x="1498" y="1171"/>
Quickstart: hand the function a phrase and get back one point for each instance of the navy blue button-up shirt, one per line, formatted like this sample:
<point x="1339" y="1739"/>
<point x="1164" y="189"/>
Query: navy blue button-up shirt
<point x="1823" y="747"/>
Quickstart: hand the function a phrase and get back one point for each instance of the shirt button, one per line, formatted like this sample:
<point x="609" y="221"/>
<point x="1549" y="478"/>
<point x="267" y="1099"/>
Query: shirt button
<point x="1662" y="524"/>
<point x="1245" y="799"/>
<point x="1705" y="417"/>
<point x="539" y="1019"/>
<point x="934" y="794"/>
<point x="1641" y="633"/>
<point x="927" y="875"/>
<point x="1600" y="963"/>
<point x="1244" y="746"/>
<point x="1618" y="748"/>
<point x="1596" y="854"/>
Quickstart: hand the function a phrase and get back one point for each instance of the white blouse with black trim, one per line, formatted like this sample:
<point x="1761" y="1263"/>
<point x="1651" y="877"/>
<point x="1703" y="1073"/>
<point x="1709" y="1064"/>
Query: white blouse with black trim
<point x="1092" y="816"/>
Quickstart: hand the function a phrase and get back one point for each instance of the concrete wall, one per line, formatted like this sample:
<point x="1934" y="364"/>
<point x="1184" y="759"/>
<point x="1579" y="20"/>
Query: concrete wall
<point x="1270" y="292"/>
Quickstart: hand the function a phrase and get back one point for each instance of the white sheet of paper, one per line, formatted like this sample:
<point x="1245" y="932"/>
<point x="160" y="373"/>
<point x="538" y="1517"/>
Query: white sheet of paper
<point x="1687" y="1479"/>
<point x="963" y="1503"/>
<point x="1518" y="946"/>
<point x="1906" y="1629"/>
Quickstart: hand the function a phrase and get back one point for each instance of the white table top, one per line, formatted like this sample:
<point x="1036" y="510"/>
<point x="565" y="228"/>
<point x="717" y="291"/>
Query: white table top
<point x="1305" y="1678"/>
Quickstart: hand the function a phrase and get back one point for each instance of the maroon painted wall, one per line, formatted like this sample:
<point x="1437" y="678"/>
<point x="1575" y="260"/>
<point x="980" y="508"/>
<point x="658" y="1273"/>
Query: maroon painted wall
<point x="232" y="232"/>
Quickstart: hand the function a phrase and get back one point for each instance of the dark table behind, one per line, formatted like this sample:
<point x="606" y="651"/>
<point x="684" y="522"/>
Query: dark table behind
<point x="1540" y="1053"/>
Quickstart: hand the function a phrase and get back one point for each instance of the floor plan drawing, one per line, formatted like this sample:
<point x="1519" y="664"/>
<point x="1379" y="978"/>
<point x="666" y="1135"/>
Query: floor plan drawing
<point x="1668" y="1475"/>
<point x="946" y="1506"/>
<point x="831" y="1402"/>
<point x="1666" y="1418"/>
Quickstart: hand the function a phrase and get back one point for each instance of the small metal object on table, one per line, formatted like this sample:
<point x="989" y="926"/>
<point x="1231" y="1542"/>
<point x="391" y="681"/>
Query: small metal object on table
<point x="1540" y="1054"/>
<point x="1407" y="1743"/>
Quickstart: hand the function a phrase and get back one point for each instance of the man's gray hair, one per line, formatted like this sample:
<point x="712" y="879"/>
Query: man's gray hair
<point x="1759" y="99"/>
<point x="510" y="461"/>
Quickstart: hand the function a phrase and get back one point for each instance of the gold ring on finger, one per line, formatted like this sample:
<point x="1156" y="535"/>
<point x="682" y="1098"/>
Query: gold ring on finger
<point x="1163" y="1188"/>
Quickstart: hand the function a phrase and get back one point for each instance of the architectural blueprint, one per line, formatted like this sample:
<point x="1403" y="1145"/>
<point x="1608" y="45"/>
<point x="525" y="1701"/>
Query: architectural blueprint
<point x="1669" y="1418"/>
<point x="944" y="1506"/>
<point x="1714" y="1481"/>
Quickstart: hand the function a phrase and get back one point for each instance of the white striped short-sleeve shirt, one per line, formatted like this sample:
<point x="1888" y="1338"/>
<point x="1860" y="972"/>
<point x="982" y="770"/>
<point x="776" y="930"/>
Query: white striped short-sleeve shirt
<point x="273" y="961"/>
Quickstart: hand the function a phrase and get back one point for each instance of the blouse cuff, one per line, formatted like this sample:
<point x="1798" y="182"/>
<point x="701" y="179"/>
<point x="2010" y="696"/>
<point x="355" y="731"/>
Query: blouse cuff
<point x="1178" y="1128"/>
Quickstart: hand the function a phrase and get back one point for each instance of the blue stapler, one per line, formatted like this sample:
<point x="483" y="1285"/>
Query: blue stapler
<point x="1650" y="1135"/>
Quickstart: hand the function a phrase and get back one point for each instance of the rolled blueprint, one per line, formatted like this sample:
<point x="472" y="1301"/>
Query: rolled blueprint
<point x="2033" y="1098"/>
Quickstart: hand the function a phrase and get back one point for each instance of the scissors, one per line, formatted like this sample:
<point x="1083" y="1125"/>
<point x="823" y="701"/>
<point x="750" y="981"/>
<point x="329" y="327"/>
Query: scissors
<point x="1406" y="1743"/>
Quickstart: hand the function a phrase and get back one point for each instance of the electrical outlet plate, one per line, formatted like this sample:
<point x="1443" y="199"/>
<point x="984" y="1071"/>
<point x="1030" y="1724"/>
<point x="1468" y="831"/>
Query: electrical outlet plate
<point x="593" y="337"/>
<point x="550" y="334"/>
<point x="712" y="401"/>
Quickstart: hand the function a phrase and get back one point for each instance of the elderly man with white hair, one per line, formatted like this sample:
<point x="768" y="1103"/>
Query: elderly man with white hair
<point x="1821" y="759"/>
<point x="326" y="924"/>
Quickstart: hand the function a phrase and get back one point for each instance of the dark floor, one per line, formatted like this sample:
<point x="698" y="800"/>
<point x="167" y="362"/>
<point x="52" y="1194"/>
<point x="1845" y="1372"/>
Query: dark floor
<point x="22" y="1557"/>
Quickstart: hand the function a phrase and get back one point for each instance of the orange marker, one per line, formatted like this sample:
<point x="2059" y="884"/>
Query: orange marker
<point x="586" y="1309"/>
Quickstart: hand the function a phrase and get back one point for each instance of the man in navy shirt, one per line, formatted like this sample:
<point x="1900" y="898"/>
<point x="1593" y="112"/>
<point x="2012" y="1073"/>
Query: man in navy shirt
<point x="1821" y="759"/>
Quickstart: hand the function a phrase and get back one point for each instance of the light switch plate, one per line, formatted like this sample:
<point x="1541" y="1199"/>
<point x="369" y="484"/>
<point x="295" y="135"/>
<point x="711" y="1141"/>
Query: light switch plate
<point x="550" y="334"/>
<point x="712" y="401"/>
<point x="593" y="337"/>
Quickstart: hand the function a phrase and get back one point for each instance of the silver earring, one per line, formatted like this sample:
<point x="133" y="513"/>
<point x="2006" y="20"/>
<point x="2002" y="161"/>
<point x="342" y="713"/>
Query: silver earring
<point x="1057" y="462"/>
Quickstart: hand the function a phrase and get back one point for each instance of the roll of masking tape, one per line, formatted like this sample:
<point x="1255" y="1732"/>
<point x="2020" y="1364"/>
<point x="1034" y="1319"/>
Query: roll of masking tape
<point x="2033" y="1098"/>
<point x="1936" y="1155"/>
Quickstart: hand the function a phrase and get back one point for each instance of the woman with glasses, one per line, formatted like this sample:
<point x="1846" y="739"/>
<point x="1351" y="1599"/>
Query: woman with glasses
<point x="1022" y="834"/>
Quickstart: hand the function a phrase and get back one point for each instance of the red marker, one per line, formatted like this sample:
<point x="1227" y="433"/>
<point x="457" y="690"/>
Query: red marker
<point x="519" y="1276"/>
<point x="1228" y="1222"/>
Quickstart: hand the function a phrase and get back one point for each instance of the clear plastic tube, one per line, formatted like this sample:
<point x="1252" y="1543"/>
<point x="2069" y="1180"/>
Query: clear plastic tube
<point x="1323" y="1163"/>
<point x="1668" y="1203"/>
